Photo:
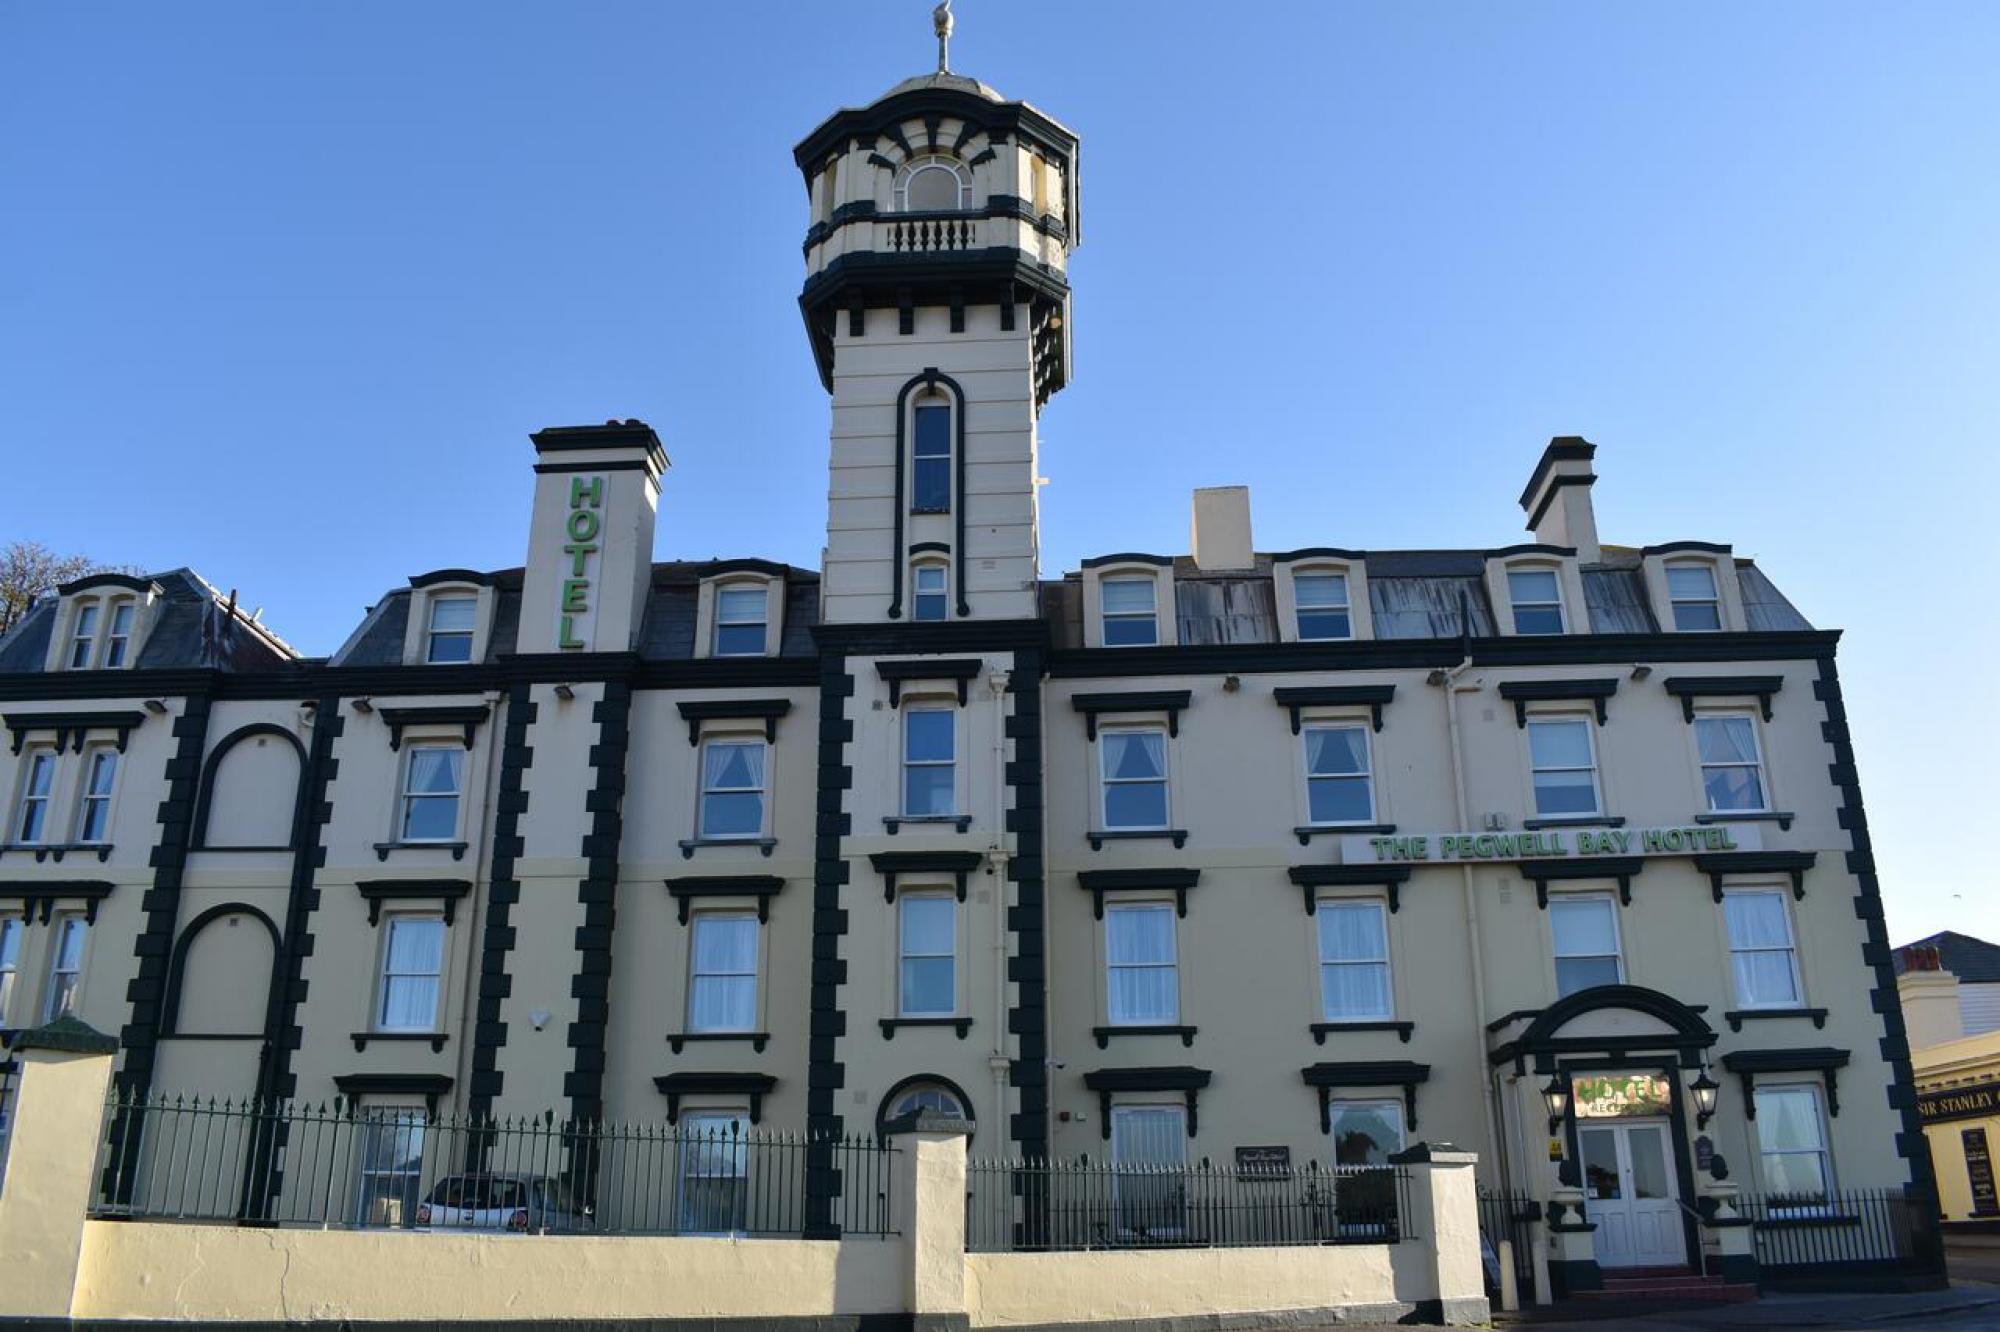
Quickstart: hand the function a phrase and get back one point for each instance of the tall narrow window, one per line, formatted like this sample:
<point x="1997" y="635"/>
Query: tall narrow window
<point x="412" y="973"/>
<point x="1322" y="605"/>
<point x="1135" y="779"/>
<point x="732" y="788"/>
<point x="1732" y="775"/>
<point x="65" y="968"/>
<point x="1691" y="590"/>
<point x="118" y="640"/>
<point x="1760" y="948"/>
<point x="930" y="477"/>
<point x="1131" y="617"/>
<point x="928" y="948"/>
<point x="1564" y="768"/>
<point x="432" y="781"/>
<point x="83" y="640"/>
<point x="929" y="592"/>
<point x="1537" y="601"/>
<point x="31" y="820"/>
<point x="1585" y="929"/>
<point x="740" y="621"/>
<point x="10" y="964"/>
<point x="1139" y="955"/>
<point x="1791" y="1138"/>
<point x="722" y="985"/>
<point x="1353" y="961"/>
<point x="1339" y="788"/>
<point x="93" y="811"/>
<point x="1148" y="1152"/>
<point x="390" y="1167"/>
<point x="449" y="637"/>
<point x="930" y="770"/>
<point x="714" y="1172"/>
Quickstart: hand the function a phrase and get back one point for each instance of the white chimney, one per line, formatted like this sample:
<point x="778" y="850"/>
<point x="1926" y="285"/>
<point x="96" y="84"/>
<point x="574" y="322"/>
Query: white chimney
<point x="1557" y="499"/>
<point x="1220" y="528"/>
<point x="590" y="542"/>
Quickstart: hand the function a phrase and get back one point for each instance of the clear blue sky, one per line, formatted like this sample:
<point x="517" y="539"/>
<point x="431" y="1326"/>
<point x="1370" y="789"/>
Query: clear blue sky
<point x="285" y="288"/>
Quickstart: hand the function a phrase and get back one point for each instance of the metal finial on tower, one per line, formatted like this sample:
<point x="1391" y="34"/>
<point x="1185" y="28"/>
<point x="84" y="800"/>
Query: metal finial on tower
<point x="941" y="23"/>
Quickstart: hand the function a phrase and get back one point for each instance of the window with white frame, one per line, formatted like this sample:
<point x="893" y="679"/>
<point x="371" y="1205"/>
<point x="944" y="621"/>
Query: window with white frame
<point x="1791" y="1142"/>
<point x="930" y="592"/>
<point x="722" y="972"/>
<point x="1148" y="1150"/>
<point x="1564" y="767"/>
<point x="412" y="974"/>
<point x="1536" y="599"/>
<point x="11" y="930"/>
<point x="1364" y="1133"/>
<point x="927" y="949"/>
<point x="390" y="1166"/>
<point x="448" y="636"/>
<point x="930" y="457"/>
<point x="65" y="967"/>
<point x="31" y="815"/>
<point x="714" y="1172"/>
<point x="433" y="778"/>
<point x="1134" y="770"/>
<point x="1584" y="928"/>
<point x="928" y="1096"/>
<point x="118" y="634"/>
<point x="83" y="636"/>
<point x="1131" y="613"/>
<point x="930" y="767"/>
<point x="93" y="808"/>
<point x="732" y="788"/>
<point x="933" y="184"/>
<point x="1321" y="602"/>
<point x="1761" y="951"/>
<point x="1142" y="977"/>
<point x="1339" y="785"/>
<point x="1353" y="961"/>
<point x="1732" y="773"/>
<point x="742" y="612"/>
<point x="1692" y="595"/>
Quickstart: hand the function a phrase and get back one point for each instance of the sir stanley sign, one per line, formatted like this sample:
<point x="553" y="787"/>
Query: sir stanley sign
<point x="1553" y="844"/>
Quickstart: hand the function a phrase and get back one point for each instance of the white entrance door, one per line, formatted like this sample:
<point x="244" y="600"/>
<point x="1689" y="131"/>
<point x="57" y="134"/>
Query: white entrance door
<point x="1628" y="1192"/>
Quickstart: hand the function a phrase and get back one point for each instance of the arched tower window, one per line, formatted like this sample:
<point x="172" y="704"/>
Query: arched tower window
<point x="933" y="185"/>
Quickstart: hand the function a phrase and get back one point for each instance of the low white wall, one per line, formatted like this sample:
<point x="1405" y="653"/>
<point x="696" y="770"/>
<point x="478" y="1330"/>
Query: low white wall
<point x="1016" y="1289"/>
<point x="153" y="1270"/>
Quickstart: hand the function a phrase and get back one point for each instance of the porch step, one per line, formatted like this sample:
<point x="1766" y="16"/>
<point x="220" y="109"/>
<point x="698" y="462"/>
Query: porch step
<point x="1671" y="1283"/>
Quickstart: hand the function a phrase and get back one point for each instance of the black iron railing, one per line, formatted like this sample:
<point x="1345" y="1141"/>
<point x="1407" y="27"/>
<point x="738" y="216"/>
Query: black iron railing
<point x="1858" y="1230"/>
<point x="1030" y="1205"/>
<point x="1510" y="1217"/>
<point x="335" y="1164"/>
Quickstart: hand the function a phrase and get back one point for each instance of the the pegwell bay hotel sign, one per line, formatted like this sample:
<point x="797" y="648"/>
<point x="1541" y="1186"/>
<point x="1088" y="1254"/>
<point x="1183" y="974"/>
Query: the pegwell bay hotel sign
<point x="1551" y="844"/>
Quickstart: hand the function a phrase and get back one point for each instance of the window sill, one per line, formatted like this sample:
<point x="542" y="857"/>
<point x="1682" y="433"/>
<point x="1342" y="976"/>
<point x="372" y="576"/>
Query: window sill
<point x="225" y="850"/>
<point x="1737" y="1017"/>
<point x="211" y="1036"/>
<point x="436" y="1038"/>
<point x="757" y="1039"/>
<point x="915" y="511"/>
<point x="1782" y="817"/>
<point x="765" y="845"/>
<point x="1321" y="1030"/>
<point x="1305" y="832"/>
<point x="1099" y="836"/>
<point x="1104" y="1034"/>
<point x="1574" y="821"/>
<point x="457" y="849"/>
<point x="889" y="1025"/>
<point x="57" y="850"/>
<point x="958" y="822"/>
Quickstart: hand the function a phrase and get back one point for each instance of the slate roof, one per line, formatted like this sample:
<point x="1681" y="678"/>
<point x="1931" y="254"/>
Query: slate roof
<point x="1973" y="961"/>
<point x="176" y="637"/>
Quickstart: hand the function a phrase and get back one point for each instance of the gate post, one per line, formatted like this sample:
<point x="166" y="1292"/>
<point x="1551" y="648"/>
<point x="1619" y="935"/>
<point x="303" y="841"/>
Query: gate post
<point x="931" y="1203"/>
<point x="59" y="1093"/>
<point x="1444" y="1203"/>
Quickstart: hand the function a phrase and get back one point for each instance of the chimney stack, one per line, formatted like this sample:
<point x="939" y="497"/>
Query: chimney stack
<point x="590" y="541"/>
<point x="1557" y="499"/>
<point x="1220" y="528"/>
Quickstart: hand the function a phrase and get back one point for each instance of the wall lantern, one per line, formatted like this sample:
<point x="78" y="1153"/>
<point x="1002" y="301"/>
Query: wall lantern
<point x="1705" y="1091"/>
<point x="1556" y="1097"/>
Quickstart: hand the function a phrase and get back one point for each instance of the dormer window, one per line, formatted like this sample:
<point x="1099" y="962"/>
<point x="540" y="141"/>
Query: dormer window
<point x="1131" y="614"/>
<point x="933" y="185"/>
<point x="930" y="456"/>
<point x="83" y="641"/>
<point x="448" y="638"/>
<point x="1691" y="591"/>
<point x="1536" y="598"/>
<point x="741" y="613"/>
<point x="929" y="592"/>
<point x="1322" y="605"/>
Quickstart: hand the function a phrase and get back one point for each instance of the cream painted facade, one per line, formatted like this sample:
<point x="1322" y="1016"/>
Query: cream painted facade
<point x="666" y="838"/>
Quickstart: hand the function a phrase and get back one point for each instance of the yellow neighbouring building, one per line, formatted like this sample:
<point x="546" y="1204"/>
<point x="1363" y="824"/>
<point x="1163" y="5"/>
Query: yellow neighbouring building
<point x="1950" y="986"/>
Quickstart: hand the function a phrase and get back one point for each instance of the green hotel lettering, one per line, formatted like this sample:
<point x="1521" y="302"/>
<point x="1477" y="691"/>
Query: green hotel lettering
<point x="1551" y="845"/>
<point x="585" y="499"/>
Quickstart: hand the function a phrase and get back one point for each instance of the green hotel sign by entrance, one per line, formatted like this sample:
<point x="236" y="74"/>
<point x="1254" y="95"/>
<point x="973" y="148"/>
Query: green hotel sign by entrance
<point x="1552" y="844"/>
<point x="582" y="526"/>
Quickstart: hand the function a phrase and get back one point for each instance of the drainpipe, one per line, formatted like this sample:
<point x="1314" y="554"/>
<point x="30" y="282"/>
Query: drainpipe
<point x="996" y="865"/>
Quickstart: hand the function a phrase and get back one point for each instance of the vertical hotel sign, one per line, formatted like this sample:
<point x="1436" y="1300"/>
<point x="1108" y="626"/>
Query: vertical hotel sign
<point x="584" y="526"/>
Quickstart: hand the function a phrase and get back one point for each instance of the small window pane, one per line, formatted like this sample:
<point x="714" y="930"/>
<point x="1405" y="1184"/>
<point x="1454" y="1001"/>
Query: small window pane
<point x="1127" y="595"/>
<point x="1365" y="1133"/>
<point x="933" y="189"/>
<point x="1584" y="973"/>
<point x="740" y="621"/>
<point x="1584" y="927"/>
<point x="1135" y="755"/>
